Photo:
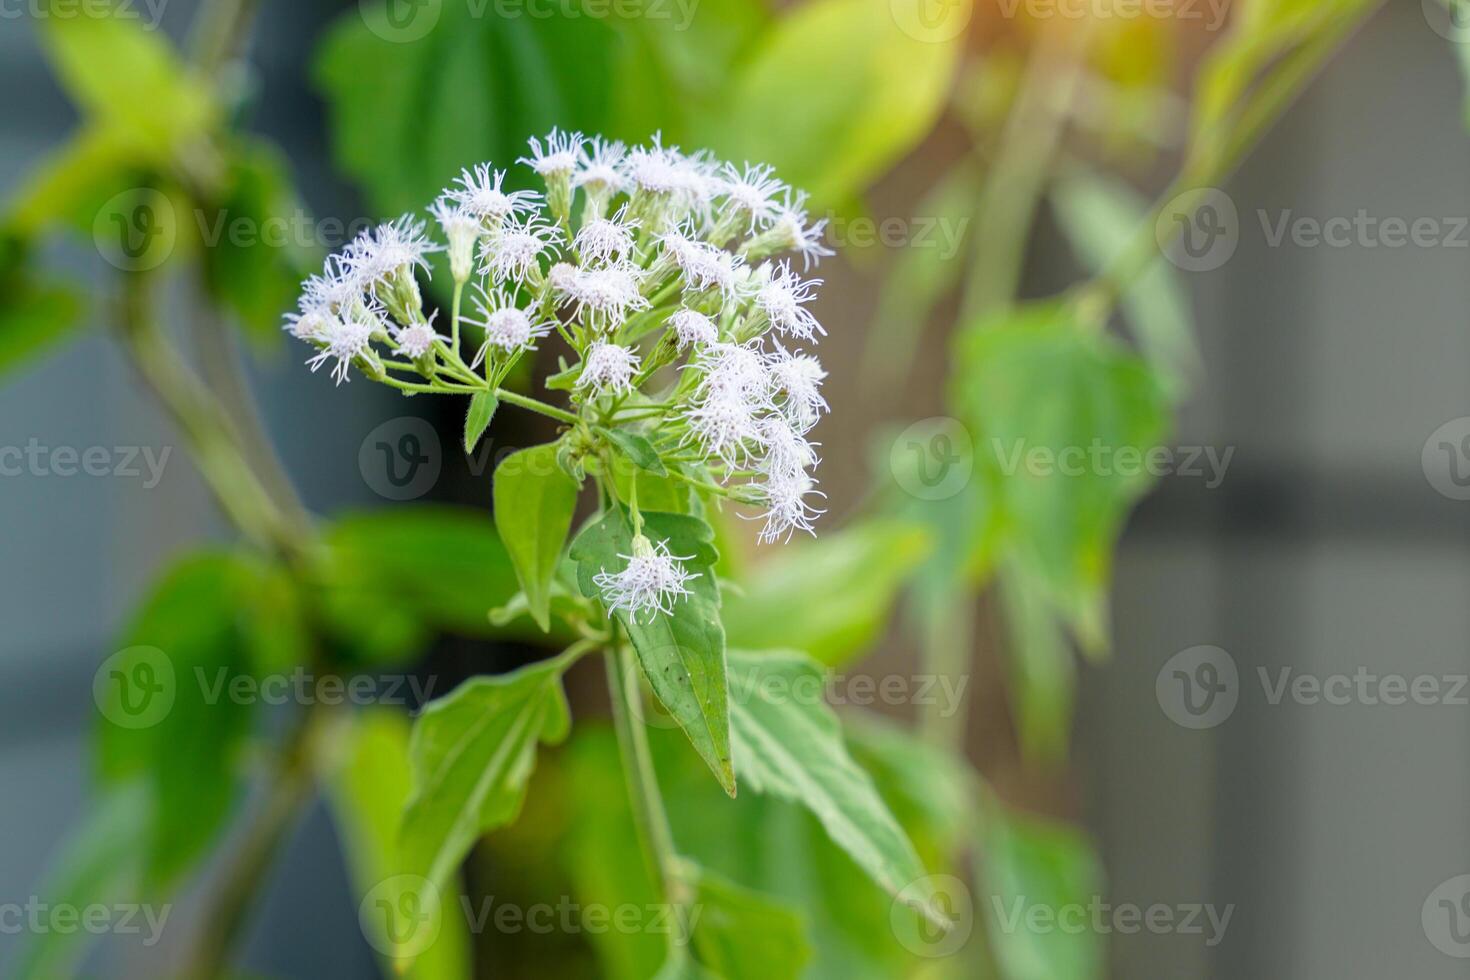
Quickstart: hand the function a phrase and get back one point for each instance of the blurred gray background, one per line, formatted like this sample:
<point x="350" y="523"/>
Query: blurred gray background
<point x="1325" y="549"/>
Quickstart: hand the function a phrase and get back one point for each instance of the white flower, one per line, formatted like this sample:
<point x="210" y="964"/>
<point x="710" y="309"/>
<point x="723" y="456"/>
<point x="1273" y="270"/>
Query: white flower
<point x="790" y="231"/>
<point x="605" y="295"/>
<point x="416" y="339"/>
<point x="651" y="582"/>
<point x="344" y="340"/>
<point x="463" y="229"/>
<point x="515" y="250"/>
<point x="787" y="511"/>
<point x="787" y="452"/>
<point x="481" y="194"/>
<point x="724" y="423"/>
<point x="703" y="265"/>
<point x="736" y="369"/>
<point x="597" y="170"/>
<point x="750" y="191"/>
<point x="693" y="328"/>
<point x="604" y="239"/>
<point x="559" y="158"/>
<point x="686" y="182"/>
<point x="781" y="297"/>
<point x="506" y="326"/>
<point x="379" y="254"/>
<point x="798" y="377"/>
<point x="608" y="367"/>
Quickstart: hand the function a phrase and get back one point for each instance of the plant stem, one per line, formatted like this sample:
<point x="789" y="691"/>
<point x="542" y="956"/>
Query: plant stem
<point x="225" y="916"/>
<point x="531" y="404"/>
<point x="649" y="815"/>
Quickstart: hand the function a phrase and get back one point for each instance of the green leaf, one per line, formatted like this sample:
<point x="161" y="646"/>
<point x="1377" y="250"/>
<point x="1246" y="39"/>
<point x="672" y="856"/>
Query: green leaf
<point x="683" y="654"/>
<point x="33" y="317"/>
<point x="394" y="576"/>
<point x="1062" y="420"/>
<point x="1026" y="862"/>
<point x="744" y="935"/>
<point x="166" y="711"/>
<point x="637" y="448"/>
<point x="1100" y="217"/>
<point x="130" y="78"/>
<point x="98" y="866"/>
<point x="506" y="77"/>
<point x="472" y="753"/>
<point x="1042" y="674"/>
<point x="253" y="264"/>
<point x="477" y="419"/>
<point x="534" y="505"/>
<point x="830" y="597"/>
<point x="870" y="91"/>
<point x="368" y="786"/>
<point x="788" y="743"/>
<point x="73" y="183"/>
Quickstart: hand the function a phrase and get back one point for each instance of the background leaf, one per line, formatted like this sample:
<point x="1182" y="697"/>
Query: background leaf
<point x="534" y="505"/>
<point x="744" y="935"/>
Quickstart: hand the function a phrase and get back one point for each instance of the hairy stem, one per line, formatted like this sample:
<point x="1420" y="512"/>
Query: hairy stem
<point x="649" y="815"/>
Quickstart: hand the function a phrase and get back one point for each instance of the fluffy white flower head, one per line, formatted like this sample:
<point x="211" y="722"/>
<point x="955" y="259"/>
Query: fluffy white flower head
<point x="649" y="585"/>
<point x="516" y="250"/>
<point x="482" y="194"/>
<point x="605" y="239"/>
<point x="693" y="328"/>
<point x="781" y="298"/>
<point x="608" y="367"/>
<point x="559" y="157"/>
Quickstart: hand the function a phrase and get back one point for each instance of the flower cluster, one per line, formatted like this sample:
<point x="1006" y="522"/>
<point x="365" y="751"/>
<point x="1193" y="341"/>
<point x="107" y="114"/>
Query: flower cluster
<point x="678" y="288"/>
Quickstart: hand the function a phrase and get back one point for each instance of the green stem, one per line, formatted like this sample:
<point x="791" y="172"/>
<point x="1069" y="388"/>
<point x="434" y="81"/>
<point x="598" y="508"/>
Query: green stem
<point x="531" y="404"/>
<point x="649" y="816"/>
<point x="454" y="318"/>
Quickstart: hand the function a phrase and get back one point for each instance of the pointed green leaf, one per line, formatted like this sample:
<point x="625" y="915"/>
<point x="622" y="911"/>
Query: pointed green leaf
<point x="636" y="448"/>
<point x="477" y="419"/>
<point x="683" y="654"/>
<point x="744" y="935"/>
<point x="33" y="317"/>
<point x="534" y="504"/>
<point x="472" y="753"/>
<point x="788" y="743"/>
<point x="367" y="788"/>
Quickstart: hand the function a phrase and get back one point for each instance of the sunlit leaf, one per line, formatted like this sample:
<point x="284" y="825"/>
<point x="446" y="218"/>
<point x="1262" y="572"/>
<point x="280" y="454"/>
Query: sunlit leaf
<point x="683" y="653"/>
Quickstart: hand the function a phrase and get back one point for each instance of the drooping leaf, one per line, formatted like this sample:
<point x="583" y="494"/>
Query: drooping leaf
<point x="128" y="78"/>
<point x="830" y="597"/>
<point x="33" y="317"/>
<point x="682" y="654"/>
<point x="1101" y="216"/>
<point x="471" y="754"/>
<point x="98" y="865"/>
<point x="392" y="577"/>
<point x="869" y="91"/>
<point x="1063" y="421"/>
<point x="534" y="505"/>
<point x="788" y="743"/>
<point x="477" y="418"/>
<point x="368" y="781"/>
<point x="166" y="713"/>
<point x="744" y="935"/>
<point x="1027" y="862"/>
